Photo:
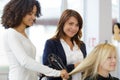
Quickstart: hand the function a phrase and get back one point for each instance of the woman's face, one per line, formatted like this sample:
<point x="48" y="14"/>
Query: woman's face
<point x="71" y="27"/>
<point x="116" y="29"/>
<point x="109" y="64"/>
<point x="29" y="19"/>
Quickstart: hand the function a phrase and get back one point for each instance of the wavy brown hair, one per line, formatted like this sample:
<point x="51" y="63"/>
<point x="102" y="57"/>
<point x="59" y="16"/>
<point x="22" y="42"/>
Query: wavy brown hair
<point x="64" y="17"/>
<point x="15" y="10"/>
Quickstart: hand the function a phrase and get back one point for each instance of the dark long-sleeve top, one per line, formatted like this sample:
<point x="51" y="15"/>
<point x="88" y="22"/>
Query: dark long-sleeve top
<point x="55" y="47"/>
<point x="99" y="77"/>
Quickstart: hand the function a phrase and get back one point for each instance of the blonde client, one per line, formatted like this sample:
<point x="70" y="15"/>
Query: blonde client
<point x="99" y="63"/>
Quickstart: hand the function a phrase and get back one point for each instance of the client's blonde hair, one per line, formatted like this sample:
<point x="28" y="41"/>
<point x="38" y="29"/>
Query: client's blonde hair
<point x="91" y="63"/>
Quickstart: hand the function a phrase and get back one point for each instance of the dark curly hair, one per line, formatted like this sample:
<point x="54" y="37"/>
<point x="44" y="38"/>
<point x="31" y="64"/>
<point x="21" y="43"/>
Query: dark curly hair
<point x="15" y="10"/>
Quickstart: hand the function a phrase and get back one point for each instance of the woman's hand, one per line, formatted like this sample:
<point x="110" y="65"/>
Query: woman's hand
<point x="64" y="74"/>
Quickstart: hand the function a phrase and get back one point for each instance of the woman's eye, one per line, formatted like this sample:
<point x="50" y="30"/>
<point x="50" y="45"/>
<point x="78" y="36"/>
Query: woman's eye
<point x="70" y="23"/>
<point x="77" y="25"/>
<point x="109" y="57"/>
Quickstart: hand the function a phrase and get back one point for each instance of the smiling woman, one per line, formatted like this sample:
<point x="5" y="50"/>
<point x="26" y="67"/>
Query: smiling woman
<point x="17" y="16"/>
<point x="99" y="63"/>
<point x="67" y="43"/>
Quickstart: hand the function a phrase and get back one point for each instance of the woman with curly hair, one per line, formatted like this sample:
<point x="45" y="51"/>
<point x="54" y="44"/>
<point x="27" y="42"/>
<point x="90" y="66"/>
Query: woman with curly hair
<point x="17" y="16"/>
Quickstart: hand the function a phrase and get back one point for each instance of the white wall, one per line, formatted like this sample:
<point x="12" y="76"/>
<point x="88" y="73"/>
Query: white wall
<point x="98" y="22"/>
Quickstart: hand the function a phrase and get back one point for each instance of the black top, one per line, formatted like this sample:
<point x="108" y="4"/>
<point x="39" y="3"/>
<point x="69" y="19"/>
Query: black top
<point x="99" y="77"/>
